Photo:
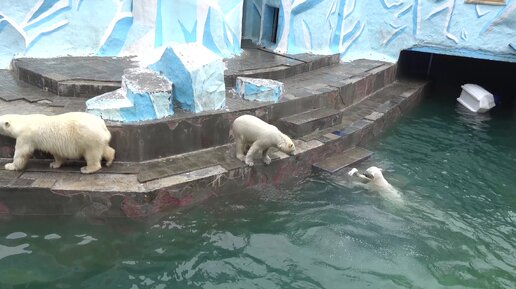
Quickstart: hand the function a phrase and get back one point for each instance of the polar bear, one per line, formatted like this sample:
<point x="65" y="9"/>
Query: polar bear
<point x="375" y="180"/>
<point x="66" y="136"/>
<point x="253" y="135"/>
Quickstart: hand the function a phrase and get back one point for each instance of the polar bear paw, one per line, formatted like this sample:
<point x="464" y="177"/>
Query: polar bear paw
<point x="352" y="172"/>
<point x="267" y="160"/>
<point x="10" y="167"/>
<point x="241" y="157"/>
<point x="249" y="162"/>
<point x="55" y="165"/>
<point x="90" y="169"/>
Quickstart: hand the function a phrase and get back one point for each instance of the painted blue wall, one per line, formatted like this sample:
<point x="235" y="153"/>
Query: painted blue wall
<point x="380" y="29"/>
<point x="376" y="29"/>
<point x="47" y="28"/>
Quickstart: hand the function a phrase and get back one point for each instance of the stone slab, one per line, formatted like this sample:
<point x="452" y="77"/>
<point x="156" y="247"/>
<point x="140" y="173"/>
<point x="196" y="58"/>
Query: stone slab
<point x="187" y="162"/>
<point x="262" y="63"/>
<point x="306" y="122"/>
<point x="185" y="177"/>
<point x="99" y="182"/>
<point x="73" y="76"/>
<point x="13" y="89"/>
<point x="339" y="161"/>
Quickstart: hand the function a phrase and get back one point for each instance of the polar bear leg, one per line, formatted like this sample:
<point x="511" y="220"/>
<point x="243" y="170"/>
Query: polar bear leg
<point x="253" y="150"/>
<point x="265" y="156"/>
<point x="240" y="146"/>
<point x="108" y="155"/>
<point x="22" y="154"/>
<point x="92" y="161"/>
<point x="58" y="161"/>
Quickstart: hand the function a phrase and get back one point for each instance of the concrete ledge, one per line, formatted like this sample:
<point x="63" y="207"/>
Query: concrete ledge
<point x="185" y="132"/>
<point x="124" y="195"/>
<point x="334" y="87"/>
<point x="347" y="158"/>
<point x="73" y="76"/>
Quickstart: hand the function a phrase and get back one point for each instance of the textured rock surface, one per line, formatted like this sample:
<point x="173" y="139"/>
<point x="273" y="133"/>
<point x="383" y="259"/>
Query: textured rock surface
<point x="197" y="74"/>
<point x="144" y="96"/>
<point x="259" y="89"/>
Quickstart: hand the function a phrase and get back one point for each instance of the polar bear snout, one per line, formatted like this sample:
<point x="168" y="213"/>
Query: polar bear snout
<point x="374" y="173"/>
<point x="288" y="148"/>
<point x="368" y="175"/>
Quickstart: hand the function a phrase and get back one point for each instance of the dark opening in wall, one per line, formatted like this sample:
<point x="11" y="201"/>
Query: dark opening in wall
<point x="275" y="17"/>
<point x="270" y="24"/>
<point x="450" y="72"/>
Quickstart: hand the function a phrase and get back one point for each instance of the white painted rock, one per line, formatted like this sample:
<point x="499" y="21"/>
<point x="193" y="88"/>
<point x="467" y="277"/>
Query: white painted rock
<point x="144" y="95"/>
<point x="197" y="74"/>
<point x="259" y="89"/>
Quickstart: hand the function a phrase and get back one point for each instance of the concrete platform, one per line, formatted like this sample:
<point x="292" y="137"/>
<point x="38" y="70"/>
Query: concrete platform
<point x="187" y="158"/>
<point x="92" y="76"/>
<point x="306" y="122"/>
<point x="73" y="76"/>
<point x="347" y="158"/>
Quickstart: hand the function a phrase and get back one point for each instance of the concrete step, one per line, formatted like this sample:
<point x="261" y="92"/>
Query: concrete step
<point x="341" y="160"/>
<point x="258" y="62"/>
<point x="370" y="109"/>
<point x="92" y="75"/>
<point x="309" y="121"/>
<point x="73" y="76"/>
<point x="333" y="87"/>
<point x="157" y="186"/>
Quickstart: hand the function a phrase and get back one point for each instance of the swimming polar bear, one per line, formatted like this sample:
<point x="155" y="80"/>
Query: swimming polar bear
<point x="259" y="136"/>
<point x="374" y="179"/>
<point x="66" y="136"/>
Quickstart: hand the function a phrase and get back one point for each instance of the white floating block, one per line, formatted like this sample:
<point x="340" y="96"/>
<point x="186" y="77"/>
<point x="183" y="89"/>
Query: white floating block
<point x="259" y="89"/>
<point x="476" y="98"/>
<point x="197" y="74"/>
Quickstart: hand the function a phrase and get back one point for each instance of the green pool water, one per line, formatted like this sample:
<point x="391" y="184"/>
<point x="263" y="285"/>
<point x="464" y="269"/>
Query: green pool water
<point x="456" y="226"/>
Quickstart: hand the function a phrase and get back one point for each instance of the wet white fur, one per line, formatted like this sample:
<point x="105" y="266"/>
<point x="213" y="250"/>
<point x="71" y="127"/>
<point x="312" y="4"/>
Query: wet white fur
<point x="257" y="135"/>
<point x="65" y="136"/>
<point x="377" y="182"/>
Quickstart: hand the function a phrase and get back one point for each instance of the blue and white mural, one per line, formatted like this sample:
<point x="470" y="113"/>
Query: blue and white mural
<point x="376" y="29"/>
<point x="380" y="29"/>
<point x="47" y="28"/>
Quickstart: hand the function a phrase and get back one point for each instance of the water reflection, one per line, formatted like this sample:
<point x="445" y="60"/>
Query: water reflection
<point x="6" y="251"/>
<point x="476" y="121"/>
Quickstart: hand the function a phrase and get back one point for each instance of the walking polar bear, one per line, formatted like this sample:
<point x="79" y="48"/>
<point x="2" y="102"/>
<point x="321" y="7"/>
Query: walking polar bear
<point x="259" y="136"/>
<point x="65" y="136"/>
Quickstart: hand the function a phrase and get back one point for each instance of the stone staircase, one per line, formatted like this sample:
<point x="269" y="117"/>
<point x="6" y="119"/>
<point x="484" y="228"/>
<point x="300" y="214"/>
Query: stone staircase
<point x="303" y="123"/>
<point x="331" y="112"/>
<point x="335" y="145"/>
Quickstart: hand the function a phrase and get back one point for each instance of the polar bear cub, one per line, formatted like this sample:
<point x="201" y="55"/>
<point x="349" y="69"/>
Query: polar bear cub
<point x="66" y="136"/>
<point x="259" y="136"/>
<point x="375" y="180"/>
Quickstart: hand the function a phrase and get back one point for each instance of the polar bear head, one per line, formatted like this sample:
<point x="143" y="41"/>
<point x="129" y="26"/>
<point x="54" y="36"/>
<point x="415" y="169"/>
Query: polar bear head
<point x="286" y="145"/>
<point x="6" y="125"/>
<point x="374" y="173"/>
